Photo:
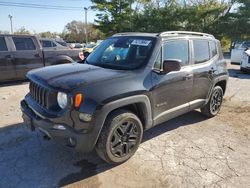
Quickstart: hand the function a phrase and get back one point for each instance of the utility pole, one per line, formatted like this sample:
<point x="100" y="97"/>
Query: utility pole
<point x="86" y="23"/>
<point x="11" y="26"/>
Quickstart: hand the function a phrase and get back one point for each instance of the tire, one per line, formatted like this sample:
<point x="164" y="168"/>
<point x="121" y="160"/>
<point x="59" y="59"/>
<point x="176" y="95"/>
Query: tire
<point x="213" y="106"/>
<point x="120" y="137"/>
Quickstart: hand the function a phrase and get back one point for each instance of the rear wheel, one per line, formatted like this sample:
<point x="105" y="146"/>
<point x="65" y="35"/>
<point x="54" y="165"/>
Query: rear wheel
<point x="213" y="106"/>
<point x="120" y="137"/>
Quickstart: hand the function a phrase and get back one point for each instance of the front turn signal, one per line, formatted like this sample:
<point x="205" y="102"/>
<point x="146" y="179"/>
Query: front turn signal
<point x="78" y="100"/>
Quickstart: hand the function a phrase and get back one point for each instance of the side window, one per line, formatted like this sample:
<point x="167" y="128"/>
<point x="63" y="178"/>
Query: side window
<point x="24" y="43"/>
<point x="158" y="62"/>
<point x="201" y="51"/>
<point x="3" y="46"/>
<point x="213" y="48"/>
<point x="177" y="50"/>
<point x="46" y="43"/>
<point x="53" y="44"/>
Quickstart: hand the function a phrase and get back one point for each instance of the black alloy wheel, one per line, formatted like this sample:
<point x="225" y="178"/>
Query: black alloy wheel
<point x="124" y="139"/>
<point x="120" y="137"/>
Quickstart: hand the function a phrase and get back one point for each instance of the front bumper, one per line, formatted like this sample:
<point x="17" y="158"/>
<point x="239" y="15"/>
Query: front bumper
<point x="68" y="137"/>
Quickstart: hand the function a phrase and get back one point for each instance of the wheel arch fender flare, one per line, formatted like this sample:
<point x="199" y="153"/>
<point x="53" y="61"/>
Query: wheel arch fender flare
<point x="111" y="106"/>
<point x="216" y="80"/>
<point x="61" y="58"/>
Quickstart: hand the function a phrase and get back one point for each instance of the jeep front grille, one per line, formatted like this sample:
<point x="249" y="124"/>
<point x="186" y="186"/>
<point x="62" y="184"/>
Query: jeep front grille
<point x="43" y="96"/>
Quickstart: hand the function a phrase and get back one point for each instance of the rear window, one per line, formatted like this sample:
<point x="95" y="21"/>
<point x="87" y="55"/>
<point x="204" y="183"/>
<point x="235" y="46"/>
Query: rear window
<point x="3" y="46"/>
<point x="246" y="44"/>
<point x="90" y="46"/>
<point x="46" y="43"/>
<point x="201" y="51"/>
<point x="24" y="43"/>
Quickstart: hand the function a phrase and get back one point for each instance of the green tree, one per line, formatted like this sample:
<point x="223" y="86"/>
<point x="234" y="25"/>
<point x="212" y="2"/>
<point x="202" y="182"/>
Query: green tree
<point x="75" y="31"/>
<point x="114" y="16"/>
<point x="236" y="24"/>
<point x="49" y="34"/>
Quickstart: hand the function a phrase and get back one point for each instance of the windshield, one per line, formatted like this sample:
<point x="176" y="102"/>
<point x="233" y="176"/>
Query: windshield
<point x="123" y="52"/>
<point x="246" y="44"/>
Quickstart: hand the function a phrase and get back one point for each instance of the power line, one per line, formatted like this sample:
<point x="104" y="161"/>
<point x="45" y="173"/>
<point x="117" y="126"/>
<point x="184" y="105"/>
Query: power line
<point x="31" y="4"/>
<point x="39" y="6"/>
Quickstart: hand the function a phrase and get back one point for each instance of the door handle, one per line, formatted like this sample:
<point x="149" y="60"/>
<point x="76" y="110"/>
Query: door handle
<point x="188" y="77"/>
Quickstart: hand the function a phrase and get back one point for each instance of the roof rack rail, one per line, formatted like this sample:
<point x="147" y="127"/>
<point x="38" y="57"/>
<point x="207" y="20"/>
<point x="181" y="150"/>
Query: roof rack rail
<point x="125" y="33"/>
<point x="167" y="33"/>
<point x="134" y="33"/>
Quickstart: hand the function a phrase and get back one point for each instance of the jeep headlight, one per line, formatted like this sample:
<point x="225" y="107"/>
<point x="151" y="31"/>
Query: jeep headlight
<point x="62" y="99"/>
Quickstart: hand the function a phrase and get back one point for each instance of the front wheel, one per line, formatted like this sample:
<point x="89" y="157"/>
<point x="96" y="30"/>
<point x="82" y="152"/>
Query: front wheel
<point x="213" y="106"/>
<point x="120" y="137"/>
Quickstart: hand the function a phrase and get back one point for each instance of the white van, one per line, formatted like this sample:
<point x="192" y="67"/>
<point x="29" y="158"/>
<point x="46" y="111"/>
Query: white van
<point x="237" y="52"/>
<point x="245" y="61"/>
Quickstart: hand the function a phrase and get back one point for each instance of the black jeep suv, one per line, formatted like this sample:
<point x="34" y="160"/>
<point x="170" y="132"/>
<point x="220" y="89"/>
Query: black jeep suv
<point x="130" y="83"/>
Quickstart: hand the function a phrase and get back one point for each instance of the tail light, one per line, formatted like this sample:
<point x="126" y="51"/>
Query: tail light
<point x="81" y="55"/>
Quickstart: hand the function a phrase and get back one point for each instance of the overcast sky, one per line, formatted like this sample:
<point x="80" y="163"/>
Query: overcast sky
<point x="39" y="20"/>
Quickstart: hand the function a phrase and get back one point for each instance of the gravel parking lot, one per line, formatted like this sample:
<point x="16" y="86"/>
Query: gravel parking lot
<point x="188" y="151"/>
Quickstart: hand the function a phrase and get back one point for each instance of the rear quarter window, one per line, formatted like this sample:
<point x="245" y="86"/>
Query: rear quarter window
<point x="3" y="46"/>
<point x="46" y="44"/>
<point x="24" y="43"/>
<point x="213" y="48"/>
<point x="201" y="51"/>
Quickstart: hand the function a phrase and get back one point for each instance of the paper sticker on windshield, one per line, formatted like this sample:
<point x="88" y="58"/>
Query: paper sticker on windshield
<point x="141" y="42"/>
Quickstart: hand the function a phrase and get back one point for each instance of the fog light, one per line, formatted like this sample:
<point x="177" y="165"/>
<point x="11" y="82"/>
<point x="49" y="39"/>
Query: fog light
<point x="85" y="117"/>
<point x="59" y="127"/>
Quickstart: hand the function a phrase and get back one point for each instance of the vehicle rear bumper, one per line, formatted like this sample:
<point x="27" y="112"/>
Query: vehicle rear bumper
<point x="67" y="135"/>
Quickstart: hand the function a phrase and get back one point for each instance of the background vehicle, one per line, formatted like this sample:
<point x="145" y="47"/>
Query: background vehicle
<point x="245" y="62"/>
<point x="130" y="83"/>
<point x="22" y="53"/>
<point x="51" y="43"/>
<point x="61" y="42"/>
<point x="75" y="46"/>
<point x="89" y="48"/>
<point x="237" y="51"/>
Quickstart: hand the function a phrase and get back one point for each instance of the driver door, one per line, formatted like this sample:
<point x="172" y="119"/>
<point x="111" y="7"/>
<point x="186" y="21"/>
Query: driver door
<point x="172" y="92"/>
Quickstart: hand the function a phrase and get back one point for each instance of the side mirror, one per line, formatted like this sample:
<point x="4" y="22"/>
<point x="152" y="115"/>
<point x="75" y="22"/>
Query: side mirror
<point x="170" y="65"/>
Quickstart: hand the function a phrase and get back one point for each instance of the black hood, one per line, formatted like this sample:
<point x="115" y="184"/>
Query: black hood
<point x="70" y="76"/>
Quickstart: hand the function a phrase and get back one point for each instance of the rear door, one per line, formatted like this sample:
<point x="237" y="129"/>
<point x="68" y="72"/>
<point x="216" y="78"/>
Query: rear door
<point x="7" y="71"/>
<point x="237" y="52"/>
<point x="27" y="55"/>
<point x="205" y="54"/>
